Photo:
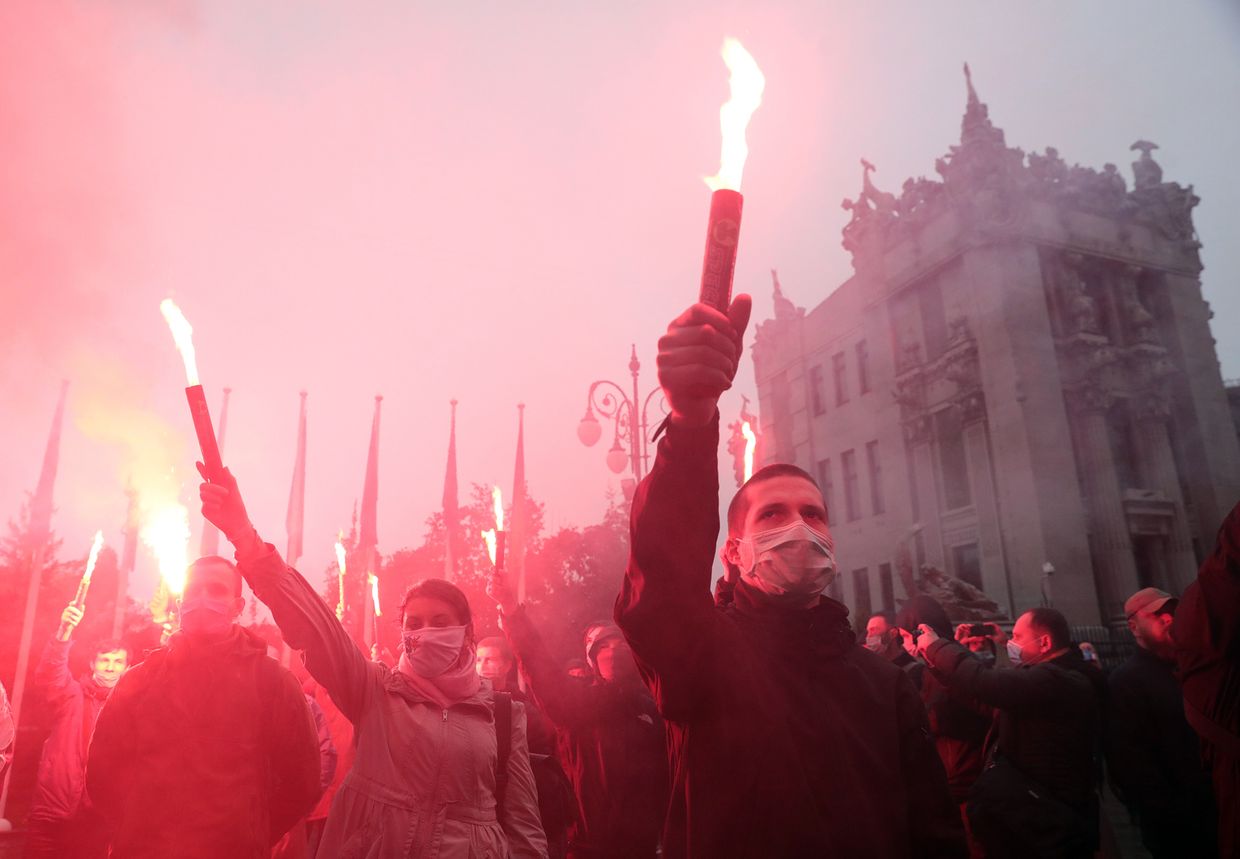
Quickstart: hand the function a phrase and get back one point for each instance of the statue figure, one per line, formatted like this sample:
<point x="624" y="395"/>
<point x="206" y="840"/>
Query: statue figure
<point x="1113" y="187"/>
<point x="860" y="210"/>
<point x="1081" y="310"/>
<point x="1145" y="170"/>
<point x="883" y="202"/>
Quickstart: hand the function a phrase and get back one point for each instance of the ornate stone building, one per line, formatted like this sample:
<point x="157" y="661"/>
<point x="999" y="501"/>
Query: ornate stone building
<point x="1020" y="373"/>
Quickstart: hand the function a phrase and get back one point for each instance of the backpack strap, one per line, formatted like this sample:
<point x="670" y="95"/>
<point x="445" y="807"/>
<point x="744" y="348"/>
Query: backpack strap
<point x="503" y="745"/>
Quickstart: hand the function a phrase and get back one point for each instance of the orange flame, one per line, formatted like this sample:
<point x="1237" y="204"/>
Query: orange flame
<point x="166" y="533"/>
<point x="751" y="442"/>
<point x="94" y="556"/>
<point x="489" y="537"/>
<point x="340" y="564"/>
<point x="746" y="83"/>
<point x="183" y="335"/>
<point x="374" y="593"/>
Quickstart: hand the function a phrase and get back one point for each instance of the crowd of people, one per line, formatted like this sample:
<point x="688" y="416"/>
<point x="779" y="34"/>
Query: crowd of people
<point x="748" y="723"/>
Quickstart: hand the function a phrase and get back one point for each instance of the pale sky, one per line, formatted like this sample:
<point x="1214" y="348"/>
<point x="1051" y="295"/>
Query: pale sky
<point x="487" y="202"/>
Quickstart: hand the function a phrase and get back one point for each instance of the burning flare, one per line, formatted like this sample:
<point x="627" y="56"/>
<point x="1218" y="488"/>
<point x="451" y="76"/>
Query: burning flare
<point x="497" y="501"/>
<point x="746" y="83"/>
<point x="374" y="593"/>
<point x="340" y="564"/>
<point x="94" y="556"/>
<point x="751" y="442"/>
<point x="166" y="533"/>
<point x="183" y="335"/>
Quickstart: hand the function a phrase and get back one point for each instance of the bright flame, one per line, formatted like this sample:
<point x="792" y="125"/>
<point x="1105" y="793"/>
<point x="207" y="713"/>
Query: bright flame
<point x="166" y="533"/>
<point x="751" y="442"/>
<point x="340" y="564"/>
<point x="497" y="500"/>
<point x="489" y="537"/>
<point x="183" y="335"/>
<point x="374" y="593"/>
<point x="746" y="83"/>
<point x="94" y="556"/>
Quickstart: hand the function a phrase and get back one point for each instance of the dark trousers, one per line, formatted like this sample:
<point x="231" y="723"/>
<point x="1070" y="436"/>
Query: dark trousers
<point x="83" y="836"/>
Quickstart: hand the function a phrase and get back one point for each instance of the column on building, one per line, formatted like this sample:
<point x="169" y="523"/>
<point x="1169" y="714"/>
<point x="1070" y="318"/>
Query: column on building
<point x="1158" y="472"/>
<point x="1110" y="543"/>
<point x="981" y="483"/>
<point x="919" y="436"/>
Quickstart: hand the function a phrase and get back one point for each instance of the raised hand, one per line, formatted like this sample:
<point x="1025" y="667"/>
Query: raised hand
<point x="222" y="505"/>
<point x="69" y="619"/>
<point x="498" y="590"/>
<point x="698" y="357"/>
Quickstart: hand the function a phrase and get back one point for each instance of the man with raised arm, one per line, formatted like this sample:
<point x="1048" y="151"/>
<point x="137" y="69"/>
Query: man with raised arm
<point x="62" y="822"/>
<point x="786" y="737"/>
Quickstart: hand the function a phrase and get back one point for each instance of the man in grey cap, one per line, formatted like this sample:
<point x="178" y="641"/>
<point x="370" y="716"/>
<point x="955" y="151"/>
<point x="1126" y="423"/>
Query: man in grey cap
<point x="1152" y="752"/>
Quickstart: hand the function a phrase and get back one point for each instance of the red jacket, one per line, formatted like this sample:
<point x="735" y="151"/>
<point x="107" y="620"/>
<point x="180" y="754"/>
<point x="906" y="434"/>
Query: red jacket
<point x="74" y="707"/>
<point x="206" y="749"/>
<point x="1207" y="635"/>
<point x="787" y="739"/>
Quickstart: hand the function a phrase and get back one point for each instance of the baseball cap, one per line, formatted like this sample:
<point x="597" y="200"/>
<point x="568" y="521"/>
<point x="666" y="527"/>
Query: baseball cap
<point x="1147" y="599"/>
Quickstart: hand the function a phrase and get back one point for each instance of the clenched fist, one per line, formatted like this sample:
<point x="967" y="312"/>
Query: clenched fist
<point x="698" y="357"/>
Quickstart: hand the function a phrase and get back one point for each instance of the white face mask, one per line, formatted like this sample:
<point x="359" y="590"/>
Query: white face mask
<point x="793" y="563"/>
<point x="432" y="649"/>
<point x="1013" y="652"/>
<point x="874" y="642"/>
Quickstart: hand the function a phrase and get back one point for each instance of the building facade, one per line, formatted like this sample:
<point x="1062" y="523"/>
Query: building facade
<point x="1019" y="380"/>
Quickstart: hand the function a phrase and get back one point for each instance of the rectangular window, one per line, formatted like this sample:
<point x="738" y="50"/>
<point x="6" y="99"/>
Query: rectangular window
<point x="817" y="394"/>
<point x="876" y="477"/>
<point x="861" y="595"/>
<point x="953" y="464"/>
<point x="885" y="586"/>
<point x="828" y="490"/>
<point x="839" y="370"/>
<point x="933" y="319"/>
<point x="852" y="486"/>
<point x="967" y="564"/>
<point x="863" y="367"/>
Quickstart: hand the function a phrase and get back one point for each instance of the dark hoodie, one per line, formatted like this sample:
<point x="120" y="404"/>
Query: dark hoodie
<point x="959" y="724"/>
<point x="206" y="749"/>
<point x="786" y="737"/>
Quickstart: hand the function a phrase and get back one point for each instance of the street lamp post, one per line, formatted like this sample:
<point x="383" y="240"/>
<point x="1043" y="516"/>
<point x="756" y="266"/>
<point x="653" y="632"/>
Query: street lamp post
<point x="630" y="423"/>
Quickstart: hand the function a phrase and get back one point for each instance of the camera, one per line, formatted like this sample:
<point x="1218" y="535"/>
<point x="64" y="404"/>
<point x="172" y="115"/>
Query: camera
<point x="979" y="630"/>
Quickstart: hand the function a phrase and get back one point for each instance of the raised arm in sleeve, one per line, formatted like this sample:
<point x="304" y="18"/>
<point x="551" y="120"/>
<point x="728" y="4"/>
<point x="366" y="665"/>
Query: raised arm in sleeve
<point x="52" y="673"/>
<point x="665" y="608"/>
<point x="308" y="624"/>
<point x="519" y="814"/>
<point x="1005" y="689"/>
<point x="565" y="701"/>
<point x="293" y="754"/>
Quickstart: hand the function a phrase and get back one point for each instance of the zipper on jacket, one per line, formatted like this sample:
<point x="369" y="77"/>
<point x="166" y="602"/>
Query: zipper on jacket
<point x="445" y="715"/>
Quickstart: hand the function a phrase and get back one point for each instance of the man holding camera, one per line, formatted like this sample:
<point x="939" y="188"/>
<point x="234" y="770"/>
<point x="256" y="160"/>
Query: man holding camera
<point x="1037" y="795"/>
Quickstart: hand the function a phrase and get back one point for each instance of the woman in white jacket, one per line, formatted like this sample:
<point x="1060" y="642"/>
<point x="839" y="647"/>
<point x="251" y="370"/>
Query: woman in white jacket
<point x="425" y="780"/>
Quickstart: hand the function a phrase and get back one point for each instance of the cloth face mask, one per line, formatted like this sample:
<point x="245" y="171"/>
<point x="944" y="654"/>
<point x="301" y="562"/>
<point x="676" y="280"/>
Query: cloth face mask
<point x="433" y="649"/>
<point x="794" y="562"/>
<point x="206" y="615"/>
